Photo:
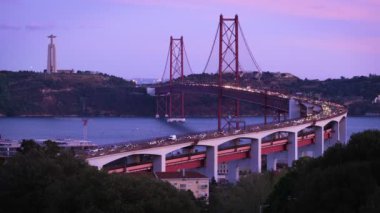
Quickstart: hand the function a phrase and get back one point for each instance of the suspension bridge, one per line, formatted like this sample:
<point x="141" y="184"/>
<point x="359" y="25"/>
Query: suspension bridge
<point x="305" y="126"/>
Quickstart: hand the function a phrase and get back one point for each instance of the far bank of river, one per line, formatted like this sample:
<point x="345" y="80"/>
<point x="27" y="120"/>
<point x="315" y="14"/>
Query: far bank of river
<point x="105" y="130"/>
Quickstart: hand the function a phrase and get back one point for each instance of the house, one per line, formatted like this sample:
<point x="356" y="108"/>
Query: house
<point x="186" y="180"/>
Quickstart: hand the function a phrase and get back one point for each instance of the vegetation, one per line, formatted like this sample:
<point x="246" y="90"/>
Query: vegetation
<point x="346" y="179"/>
<point x="247" y="195"/>
<point x="45" y="179"/>
<point x="95" y="94"/>
<point x="63" y="94"/>
<point x="357" y="93"/>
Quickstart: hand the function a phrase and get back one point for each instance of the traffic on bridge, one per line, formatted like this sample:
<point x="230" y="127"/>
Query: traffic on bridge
<point x="308" y="127"/>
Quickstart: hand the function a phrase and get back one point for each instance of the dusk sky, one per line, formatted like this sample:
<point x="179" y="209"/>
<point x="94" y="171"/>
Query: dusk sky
<point x="129" y="38"/>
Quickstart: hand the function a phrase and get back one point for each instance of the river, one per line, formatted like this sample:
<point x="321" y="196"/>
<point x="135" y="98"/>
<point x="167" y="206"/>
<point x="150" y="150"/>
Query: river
<point x="112" y="130"/>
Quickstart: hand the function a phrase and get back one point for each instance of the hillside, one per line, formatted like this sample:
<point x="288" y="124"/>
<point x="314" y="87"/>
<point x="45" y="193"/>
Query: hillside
<point x="95" y="94"/>
<point x="82" y="93"/>
<point x="356" y="93"/>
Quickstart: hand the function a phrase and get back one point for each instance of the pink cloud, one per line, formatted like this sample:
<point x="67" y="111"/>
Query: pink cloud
<point x="362" y="10"/>
<point x="366" y="45"/>
<point x="324" y="9"/>
<point x="34" y="26"/>
<point x="9" y="27"/>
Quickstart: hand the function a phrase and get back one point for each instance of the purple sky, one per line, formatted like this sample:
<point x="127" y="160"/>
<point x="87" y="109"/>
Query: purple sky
<point x="129" y="38"/>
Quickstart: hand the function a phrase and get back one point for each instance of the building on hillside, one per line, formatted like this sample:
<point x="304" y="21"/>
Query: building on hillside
<point x="66" y="71"/>
<point x="185" y="180"/>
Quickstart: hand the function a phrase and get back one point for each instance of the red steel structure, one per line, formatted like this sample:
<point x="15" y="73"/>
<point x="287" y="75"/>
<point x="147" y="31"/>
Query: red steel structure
<point x="176" y="100"/>
<point x="228" y="60"/>
<point x="172" y="104"/>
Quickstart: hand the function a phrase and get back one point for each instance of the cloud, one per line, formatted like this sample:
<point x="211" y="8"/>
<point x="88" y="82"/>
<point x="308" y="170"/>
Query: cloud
<point x="359" y="10"/>
<point x="36" y="27"/>
<point x="9" y="27"/>
<point x="363" y="10"/>
<point x="366" y="45"/>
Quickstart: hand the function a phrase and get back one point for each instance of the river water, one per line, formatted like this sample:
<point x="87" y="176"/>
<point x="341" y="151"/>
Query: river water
<point x="114" y="130"/>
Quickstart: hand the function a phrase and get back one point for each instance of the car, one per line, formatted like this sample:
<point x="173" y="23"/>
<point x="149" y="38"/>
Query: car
<point x="172" y="137"/>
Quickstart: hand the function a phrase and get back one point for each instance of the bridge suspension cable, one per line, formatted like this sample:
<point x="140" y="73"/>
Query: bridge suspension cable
<point x="166" y="65"/>
<point x="212" y="49"/>
<point x="187" y="59"/>
<point x="250" y="52"/>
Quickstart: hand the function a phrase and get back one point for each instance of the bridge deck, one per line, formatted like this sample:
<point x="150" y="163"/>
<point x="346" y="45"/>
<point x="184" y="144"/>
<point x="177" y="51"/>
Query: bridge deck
<point x="328" y="111"/>
<point x="196" y="159"/>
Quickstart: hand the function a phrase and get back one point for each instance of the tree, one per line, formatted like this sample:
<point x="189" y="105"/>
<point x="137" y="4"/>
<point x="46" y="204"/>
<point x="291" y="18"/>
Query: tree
<point x="345" y="179"/>
<point x="39" y="180"/>
<point x="246" y="196"/>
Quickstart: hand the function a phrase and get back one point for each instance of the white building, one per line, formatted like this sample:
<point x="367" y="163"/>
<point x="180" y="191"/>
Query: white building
<point x="193" y="181"/>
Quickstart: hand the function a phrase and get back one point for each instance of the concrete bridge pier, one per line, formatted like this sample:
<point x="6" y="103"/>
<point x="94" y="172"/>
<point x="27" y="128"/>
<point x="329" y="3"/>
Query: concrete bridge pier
<point x="159" y="163"/>
<point x="211" y="164"/>
<point x="255" y="155"/>
<point x="335" y="133"/>
<point x="294" y="109"/>
<point x="319" y="146"/>
<point x="292" y="148"/>
<point x="343" y="130"/>
<point x="233" y="172"/>
<point x="271" y="162"/>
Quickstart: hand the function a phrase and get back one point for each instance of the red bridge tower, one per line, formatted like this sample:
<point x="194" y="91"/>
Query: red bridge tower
<point x="228" y="61"/>
<point x="173" y="102"/>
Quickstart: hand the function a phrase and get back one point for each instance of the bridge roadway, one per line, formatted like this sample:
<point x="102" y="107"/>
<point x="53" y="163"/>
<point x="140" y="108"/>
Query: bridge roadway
<point x="323" y="113"/>
<point x="195" y="160"/>
<point x="271" y="99"/>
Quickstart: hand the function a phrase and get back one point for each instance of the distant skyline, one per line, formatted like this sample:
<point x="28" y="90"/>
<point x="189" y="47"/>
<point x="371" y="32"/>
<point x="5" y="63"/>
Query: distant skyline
<point x="129" y="38"/>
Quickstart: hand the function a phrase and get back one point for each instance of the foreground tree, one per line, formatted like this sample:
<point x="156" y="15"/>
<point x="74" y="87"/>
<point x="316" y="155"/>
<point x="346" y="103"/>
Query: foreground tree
<point x="345" y="179"/>
<point x="246" y="196"/>
<point x="40" y="179"/>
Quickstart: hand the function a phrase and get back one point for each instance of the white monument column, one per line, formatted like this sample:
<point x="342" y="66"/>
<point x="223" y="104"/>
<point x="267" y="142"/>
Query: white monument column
<point x="51" y="63"/>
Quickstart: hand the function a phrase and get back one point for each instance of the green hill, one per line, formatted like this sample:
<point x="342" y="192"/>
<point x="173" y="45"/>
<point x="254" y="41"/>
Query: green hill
<point x="82" y="93"/>
<point x="28" y="93"/>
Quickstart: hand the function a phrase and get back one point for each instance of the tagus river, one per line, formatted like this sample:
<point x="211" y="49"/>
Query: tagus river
<point x="114" y="130"/>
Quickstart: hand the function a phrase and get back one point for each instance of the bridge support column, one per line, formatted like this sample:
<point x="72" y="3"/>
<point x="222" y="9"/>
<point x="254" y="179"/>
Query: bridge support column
<point x="212" y="162"/>
<point x="294" y="109"/>
<point x="319" y="146"/>
<point x="343" y="130"/>
<point x="233" y="172"/>
<point x="271" y="162"/>
<point x="255" y="155"/>
<point x="335" y="133"/>
<point x="292" y="148"/>
<point x="159" y="163"/>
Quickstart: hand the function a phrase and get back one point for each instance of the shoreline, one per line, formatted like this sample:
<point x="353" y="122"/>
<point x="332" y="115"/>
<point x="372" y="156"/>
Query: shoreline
<point x="369" y="115"/>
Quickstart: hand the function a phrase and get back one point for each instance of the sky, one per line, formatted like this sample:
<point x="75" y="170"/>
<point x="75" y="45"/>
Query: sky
<point x="314" y="39"/>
